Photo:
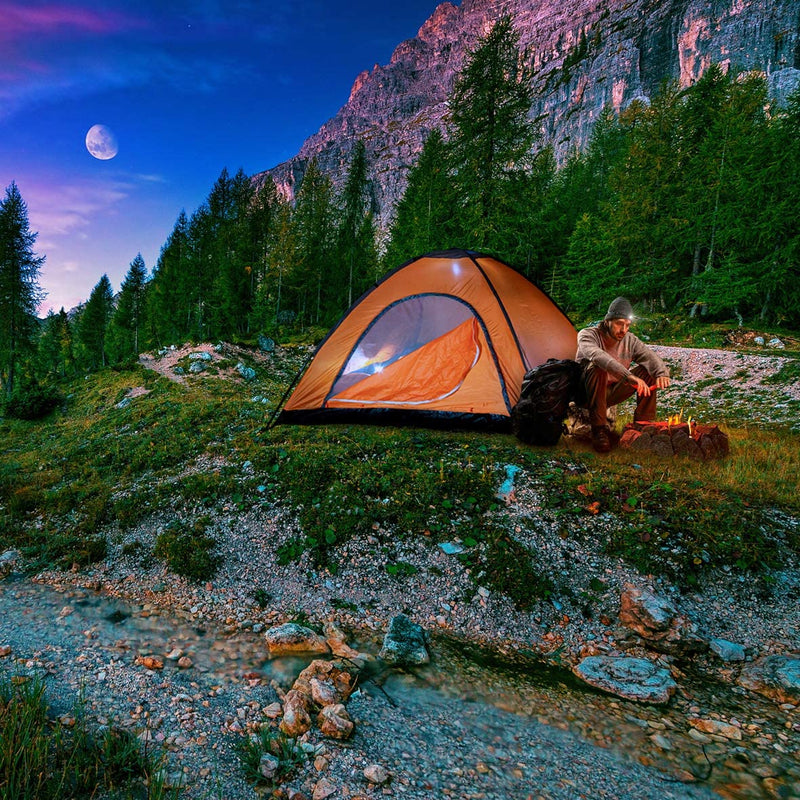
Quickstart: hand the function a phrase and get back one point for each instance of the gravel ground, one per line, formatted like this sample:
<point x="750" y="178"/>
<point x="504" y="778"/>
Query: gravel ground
<point x="731" y="383"/>
<point x="460" y="737"/>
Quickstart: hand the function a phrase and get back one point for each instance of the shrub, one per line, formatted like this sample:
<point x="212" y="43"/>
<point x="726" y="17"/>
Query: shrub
<point x="188" y="551"/>
<point x="30" y="402"/>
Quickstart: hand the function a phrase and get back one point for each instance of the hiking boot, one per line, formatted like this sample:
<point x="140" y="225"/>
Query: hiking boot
<point x="601" y="439"/>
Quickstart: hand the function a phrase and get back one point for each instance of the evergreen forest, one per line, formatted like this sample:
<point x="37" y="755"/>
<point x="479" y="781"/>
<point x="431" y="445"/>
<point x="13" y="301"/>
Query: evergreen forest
<point x="686" y="204"/>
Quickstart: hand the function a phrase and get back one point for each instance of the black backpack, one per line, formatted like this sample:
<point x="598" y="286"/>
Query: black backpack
<point x="547" y="391"/>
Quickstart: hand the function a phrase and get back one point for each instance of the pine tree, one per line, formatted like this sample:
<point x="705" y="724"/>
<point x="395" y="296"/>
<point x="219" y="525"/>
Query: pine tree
<point x="273" y="297"/>
<point x="492" y="137"/>
<point x="201" y="264"/>
<point x="355" y="236"/>
<point x="55" y="348"/>
<point x="591" y="267"/>
<point x="236" y="254"/>
<point x="311" y="283"/>
<point x="778" y="222"/>
<point x="92" y="325"/>
<point x="262" y="221"/>
<point x="126" y="326"/>
<point x="750" y="177"/>
<point x="646" y="221"/>
<point x="267" y="214"/>
<point x="423" y="219"/>
<point x="169" y="295"/>
<point x="20" y="293"/>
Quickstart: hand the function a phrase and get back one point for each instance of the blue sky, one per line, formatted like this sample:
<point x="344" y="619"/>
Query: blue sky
<point x="188" y="88"/>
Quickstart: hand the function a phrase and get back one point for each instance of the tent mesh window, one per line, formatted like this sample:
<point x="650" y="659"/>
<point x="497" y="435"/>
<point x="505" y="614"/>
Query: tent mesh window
<point x="406" y="330"/>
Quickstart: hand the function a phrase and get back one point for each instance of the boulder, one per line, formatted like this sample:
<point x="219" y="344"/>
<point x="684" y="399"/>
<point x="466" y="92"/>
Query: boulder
<point x="291" y="638"/>
<point x="8" y="561"/>
<point x="265" y="344"/>
<point x="268" y="766"/>
<point x="325" y="682"/>
<point x="337" y="642"/>
<point x="632" y="678"/>
<point x="334" y="722"/>
<point x="404" y="643"/>
<point x="376" y="774"/>
<point x="248" y="373"/>
<point x="296" y="718"/>
<point x="324" y="789"/>
<point x="775" y="676"/>
<point x="658" y="623"/>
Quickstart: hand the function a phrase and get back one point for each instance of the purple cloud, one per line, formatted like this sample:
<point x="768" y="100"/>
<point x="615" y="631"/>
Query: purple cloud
<point x="25" y="20"/>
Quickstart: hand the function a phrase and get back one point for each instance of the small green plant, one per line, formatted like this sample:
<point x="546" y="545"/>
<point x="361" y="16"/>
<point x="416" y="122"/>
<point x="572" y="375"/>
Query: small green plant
<point x="261" y="597"/>
<point x="188" y="551"/>
<point x="401" y="569"/>
<point x="47" y="759"/>
<point x="503" y="564"/>
<point x="269" y="757"/>
<point x="343" y="605"/>
<point x="291" y="550"/>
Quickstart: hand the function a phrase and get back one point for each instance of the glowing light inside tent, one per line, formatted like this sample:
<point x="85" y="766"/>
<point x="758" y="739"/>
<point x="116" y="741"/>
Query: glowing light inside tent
<point x="361" y="362"/>
<point x="357" y="362"/>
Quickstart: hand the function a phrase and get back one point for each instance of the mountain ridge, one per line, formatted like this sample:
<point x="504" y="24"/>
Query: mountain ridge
<point x="585" y="57"/>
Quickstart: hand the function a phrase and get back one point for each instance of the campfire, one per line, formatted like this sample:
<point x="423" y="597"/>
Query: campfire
<point x="674" y="437"/>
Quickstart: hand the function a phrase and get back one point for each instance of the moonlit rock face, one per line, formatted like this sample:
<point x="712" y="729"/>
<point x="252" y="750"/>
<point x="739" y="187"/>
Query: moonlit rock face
<point x="101" y="142"/>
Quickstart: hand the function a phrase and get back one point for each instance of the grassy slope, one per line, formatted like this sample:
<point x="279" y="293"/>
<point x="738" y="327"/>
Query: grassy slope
<point x="64" y="480"/>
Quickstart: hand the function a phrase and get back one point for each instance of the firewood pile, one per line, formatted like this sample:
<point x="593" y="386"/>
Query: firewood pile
<point x="700" y="442"/>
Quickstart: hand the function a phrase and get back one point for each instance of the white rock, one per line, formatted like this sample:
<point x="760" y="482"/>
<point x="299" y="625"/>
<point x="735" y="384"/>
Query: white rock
<point x="268" y="766"/>
<point x="376" y="774"/>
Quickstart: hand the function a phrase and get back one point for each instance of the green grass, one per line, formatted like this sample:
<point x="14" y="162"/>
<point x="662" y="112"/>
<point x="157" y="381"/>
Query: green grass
<point x="788" y="373"/>
<point x="46" y="759"/>
<point x="681" y="516"/>
<point x="68" y="480"/>
<point x="269" y="742"/>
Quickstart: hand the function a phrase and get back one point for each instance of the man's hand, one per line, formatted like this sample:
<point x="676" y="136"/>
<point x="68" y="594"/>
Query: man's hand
<point x="641" y="387"/>
<point x="662" y="382"/>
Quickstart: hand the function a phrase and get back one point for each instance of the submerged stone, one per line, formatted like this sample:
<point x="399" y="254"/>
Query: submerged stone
<point x="632" y="678"/>
<point x="775" y="676"/>
<point x="727" y="651"/>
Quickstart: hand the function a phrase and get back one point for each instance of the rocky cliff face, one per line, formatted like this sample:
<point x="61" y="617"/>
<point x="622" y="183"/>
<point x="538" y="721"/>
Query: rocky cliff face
<point x="586" y="55"/>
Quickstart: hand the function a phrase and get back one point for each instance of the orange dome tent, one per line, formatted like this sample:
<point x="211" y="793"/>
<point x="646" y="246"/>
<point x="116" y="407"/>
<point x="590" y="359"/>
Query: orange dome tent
<point x="443" y="340"/>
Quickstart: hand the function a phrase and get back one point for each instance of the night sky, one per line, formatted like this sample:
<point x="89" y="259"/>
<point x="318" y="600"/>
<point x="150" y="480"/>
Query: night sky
<point x="186" y="88"/>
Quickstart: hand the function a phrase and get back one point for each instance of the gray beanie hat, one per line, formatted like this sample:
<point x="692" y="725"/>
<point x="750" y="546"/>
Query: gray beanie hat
<point x="620" y="308"/>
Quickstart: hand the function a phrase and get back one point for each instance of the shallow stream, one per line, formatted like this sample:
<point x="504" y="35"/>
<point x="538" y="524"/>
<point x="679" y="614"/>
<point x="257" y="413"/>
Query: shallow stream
<point x="44" y="622"/>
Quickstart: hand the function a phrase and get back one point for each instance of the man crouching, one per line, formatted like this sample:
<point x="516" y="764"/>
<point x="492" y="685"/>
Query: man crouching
<point x="605" y="353"/>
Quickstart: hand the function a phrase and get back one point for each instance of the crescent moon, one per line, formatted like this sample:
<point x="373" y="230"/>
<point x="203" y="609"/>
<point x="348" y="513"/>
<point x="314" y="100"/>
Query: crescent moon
<point x="101" y="142"/>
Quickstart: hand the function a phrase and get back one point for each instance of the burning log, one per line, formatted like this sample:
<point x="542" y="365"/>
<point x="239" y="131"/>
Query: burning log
<point x="701" y="442"/>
